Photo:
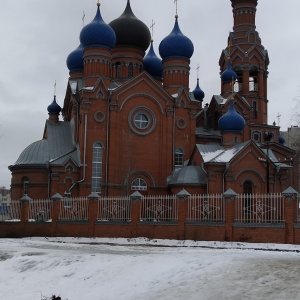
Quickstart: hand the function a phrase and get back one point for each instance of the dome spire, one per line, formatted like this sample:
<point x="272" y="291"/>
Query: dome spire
<point x="176" y="4"/>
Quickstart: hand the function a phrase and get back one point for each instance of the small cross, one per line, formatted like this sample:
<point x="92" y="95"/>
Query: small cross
<point x="176" y="3"/>
<point x="198" y="68"/>
<point x="83" y="17"/>
<point x="152" y="27"/>
<point x="278" y="118"/>
<point x="55" y="88"/>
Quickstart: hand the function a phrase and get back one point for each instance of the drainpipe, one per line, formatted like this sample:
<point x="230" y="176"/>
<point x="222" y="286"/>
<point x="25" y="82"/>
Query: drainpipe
<point x="107" y="143"/>
<point x="84" y="154"/>
<point x="173" y="137"/>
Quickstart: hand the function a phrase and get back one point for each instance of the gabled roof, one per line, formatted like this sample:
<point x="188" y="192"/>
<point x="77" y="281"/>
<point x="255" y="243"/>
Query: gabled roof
<point x="214" y="153"/>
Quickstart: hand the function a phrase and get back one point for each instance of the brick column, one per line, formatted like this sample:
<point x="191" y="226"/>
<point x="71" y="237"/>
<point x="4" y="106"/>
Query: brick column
<point x="290" y="213"/>
<point x="229" y="198"/>
<point x="93" y="212"/>
<point x="135" y="202"/>
<point x="24" y="213"/>
<point x="183" y="205"/>
<point x="55" y="212"/>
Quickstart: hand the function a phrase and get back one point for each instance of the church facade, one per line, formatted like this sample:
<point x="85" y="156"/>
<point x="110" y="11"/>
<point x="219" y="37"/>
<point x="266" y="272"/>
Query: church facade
<point x="130" y="122"/>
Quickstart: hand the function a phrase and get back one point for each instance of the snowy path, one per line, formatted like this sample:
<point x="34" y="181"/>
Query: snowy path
<point x="77" y="270"/>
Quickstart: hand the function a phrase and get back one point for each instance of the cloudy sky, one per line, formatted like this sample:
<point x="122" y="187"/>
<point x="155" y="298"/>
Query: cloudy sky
<point x="37" y="36"/>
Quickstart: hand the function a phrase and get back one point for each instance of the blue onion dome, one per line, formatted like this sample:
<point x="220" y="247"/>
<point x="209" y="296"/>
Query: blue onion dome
<point x="232" y="121"/>
<point x="130" y="31"/>
<point x="176" y="44"/>
<point x="281" y="140"/>
<point x="75" y="59"/>
<point x="153" y="64"/>
<point x="198" y="93"/>
<point x="228" y="75"/>
<point x="54" y="108"/>
<point x="97" y="33"/>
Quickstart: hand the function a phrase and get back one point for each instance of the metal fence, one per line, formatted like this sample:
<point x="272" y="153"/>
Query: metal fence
<point x="40" y="211"/>
<point x="206" y="208"/>
<point x="11" y="212"/>
<point x="260" y="208"/>
<point x="159" y="209"/>
<point x="114" y="209"/>
<point x="74" y="209"/>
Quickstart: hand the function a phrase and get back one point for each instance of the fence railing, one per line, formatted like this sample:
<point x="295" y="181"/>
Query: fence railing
<point x="159" y="209"/>
<point x="206" y="208"/>
<point x="40" y="211"/>
<point x="114" y="209"/>
<point x="74" y="209"/>
<point x="260" y="208"/>
<point x="255" y="208"/>
<point x="11" y="212"/>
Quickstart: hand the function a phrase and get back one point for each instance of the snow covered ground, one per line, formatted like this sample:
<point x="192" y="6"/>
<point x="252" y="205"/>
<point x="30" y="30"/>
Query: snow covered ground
<point x="110" y="269"/>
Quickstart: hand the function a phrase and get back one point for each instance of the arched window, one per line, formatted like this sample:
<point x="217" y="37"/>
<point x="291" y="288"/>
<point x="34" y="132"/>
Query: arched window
<point x="118" y="70"/>
<point x="178" y="158"/>
<point x="139" y="184"/>
<point x="97" y="167"/>
<point x="247" y="186"/>
<point x="25" y="182"/>
<point x="254" y="108"/>
<point x="130" y="70"/>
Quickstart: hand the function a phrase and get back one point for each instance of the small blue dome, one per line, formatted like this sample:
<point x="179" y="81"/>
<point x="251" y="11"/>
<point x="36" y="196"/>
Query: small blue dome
<point x="75" y="59"/>
<point x="198" y="93"/>
<point x="98" y="33"/>
<point x="228" y="75"/>
<point x="54" y="108"/>
<point x="232" y="121"/>
<point x="176" y="44"/>
<point x="281" y="140"/>
<point x="153" y="64"/>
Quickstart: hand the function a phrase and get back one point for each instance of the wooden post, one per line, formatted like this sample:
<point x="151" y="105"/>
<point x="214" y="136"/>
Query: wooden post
<point x="229" y="203"/>
<point x="93" y="199"/>
<point x="182" y="197"/>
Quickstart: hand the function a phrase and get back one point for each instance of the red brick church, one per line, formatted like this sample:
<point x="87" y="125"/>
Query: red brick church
<point x="131" y="123"/>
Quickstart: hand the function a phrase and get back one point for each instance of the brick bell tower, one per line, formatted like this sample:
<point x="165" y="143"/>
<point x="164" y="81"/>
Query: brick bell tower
<point x="249" y="60"/>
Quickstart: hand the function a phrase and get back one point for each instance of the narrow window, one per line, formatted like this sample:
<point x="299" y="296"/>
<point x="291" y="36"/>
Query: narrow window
<point x="178" y="158"/>
<point x="254" y="108"/>
<point x="139" y="184"/>
<point x="25" y="186"/>
<point x="118" y="70"/>
<point x="130" y="70"/>
<point x="97" y="168"/>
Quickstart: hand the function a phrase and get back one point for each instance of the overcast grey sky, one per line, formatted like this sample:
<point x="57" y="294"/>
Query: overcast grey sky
<point x="37" y="36"/>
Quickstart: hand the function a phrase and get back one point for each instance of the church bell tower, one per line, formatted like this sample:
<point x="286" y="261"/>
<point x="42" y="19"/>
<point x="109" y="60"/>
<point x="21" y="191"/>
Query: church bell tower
<point x="249" y="60"/>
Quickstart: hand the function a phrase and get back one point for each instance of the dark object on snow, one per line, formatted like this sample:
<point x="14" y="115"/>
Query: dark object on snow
<point x="55" y="298"/>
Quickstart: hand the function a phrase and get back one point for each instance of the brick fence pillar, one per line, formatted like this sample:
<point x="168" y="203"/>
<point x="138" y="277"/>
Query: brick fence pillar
<point x="183" y="205"/>
<point x="93" y="199"/>
<point x="290" y="213"/>
<point x="57" y="198"/>
<point x="135" y="203"/>
<point x="229" y="198"/>
<point x="24" y="213"/>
